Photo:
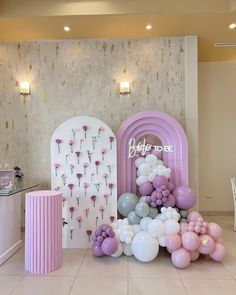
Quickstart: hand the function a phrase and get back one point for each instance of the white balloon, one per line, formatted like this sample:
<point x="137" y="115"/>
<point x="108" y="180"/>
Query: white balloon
<point x="145" y="248"/>
<point x="127" y="249"/>
<point x="144" y="222"/>
<point x="139" y="161"/>
<point x="156" y="228"/>
<point x="136" y="228"/>
<point x="171" y="226"/>
<point x="119" y="251"/>
<point x="151" y="160"/>
<point x="141" y="179"/>
<point x="151" y="176"/>
<point x="162" y="241"/>
<point x="159" y="163"/>
<point x="144" y="169"/>
<point x="142" y="199"/>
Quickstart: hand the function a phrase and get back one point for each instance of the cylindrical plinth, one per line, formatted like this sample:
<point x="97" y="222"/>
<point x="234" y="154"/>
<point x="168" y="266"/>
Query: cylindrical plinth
<point x="43" y="231"/>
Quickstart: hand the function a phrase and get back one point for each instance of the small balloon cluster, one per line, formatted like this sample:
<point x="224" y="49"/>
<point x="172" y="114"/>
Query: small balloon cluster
<point x="151" y="222"/>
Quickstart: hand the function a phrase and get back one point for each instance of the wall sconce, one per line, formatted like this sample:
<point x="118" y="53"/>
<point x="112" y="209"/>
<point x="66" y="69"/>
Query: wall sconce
<point x="24" y="88"/>
<point x="124" y="88"/>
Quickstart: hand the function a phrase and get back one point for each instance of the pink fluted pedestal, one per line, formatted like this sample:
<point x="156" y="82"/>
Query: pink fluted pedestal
<point x="43" y="231"/>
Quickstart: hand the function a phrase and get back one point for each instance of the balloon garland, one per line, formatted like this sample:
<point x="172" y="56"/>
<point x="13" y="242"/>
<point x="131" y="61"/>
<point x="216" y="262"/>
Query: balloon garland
<point x="160" y="218"/>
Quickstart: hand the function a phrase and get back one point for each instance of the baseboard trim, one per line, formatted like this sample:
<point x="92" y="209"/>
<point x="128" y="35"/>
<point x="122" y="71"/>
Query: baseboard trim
<point x="10" y="252"/>
<point x="217" y="213"/>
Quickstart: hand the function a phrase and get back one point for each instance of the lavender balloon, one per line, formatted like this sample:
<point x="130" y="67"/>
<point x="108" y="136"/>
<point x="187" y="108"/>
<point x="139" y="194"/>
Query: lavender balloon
<point x="109" y="246"/>
<point x="185" y="198"/>
<point x="146" y="189"/>
<point x="97" y="251"/>
<point x="159" y="181"/>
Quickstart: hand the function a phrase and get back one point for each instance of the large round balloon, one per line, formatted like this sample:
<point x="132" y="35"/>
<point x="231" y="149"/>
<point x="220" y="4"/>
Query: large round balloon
<point x="146" y="189"/>
<point x="159" y="181"/>
<point x="207" y="244"/>
<point x="185" y="198"/>
<point x="190" y="241"/>
<point x="134" y="218"/>
<point x="142" y="209"/>
<point x="156" y="228"/>
<point x="181" y="258"/>
<point x="119" y="250"/>
<point x="144" y="247"/>
<point x="126" y="203"/>
<point x="109" y="246"/>
<point x="97" y="250"/>
<point x="219" y="253"/>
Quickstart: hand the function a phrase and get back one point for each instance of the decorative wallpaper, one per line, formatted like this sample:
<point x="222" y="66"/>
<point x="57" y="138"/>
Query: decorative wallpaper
<point x="80" y="77"/>
<point x="84" y="169"/>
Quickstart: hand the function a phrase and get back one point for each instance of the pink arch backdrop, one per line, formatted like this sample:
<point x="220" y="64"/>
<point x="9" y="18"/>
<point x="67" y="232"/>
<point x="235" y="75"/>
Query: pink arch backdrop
<point x="168" y="130"/>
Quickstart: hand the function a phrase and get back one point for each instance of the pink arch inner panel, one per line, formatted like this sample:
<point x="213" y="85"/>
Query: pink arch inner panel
<point x="168" y="130"/>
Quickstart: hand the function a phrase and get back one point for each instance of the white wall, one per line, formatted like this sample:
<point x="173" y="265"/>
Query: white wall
<point x="217" y="134"/>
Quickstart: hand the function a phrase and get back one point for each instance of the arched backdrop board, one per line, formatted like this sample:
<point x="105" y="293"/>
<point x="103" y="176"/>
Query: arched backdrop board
<point x="168" y="130"/>
<point x="76" y="142"/>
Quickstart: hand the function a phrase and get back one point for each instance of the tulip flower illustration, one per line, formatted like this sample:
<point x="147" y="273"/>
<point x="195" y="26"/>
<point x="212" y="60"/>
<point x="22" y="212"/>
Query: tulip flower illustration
<point x="70" y="186"/>
<point x="80" y="143"/>
<point x="67" y="155"/>
<point x="86" y="212"/>
<point x="106" y="196"/>
<point x="92" y="175"/>
<point x="89" y="155"/>
<point x="93" y="198"/>
<point x="94" y="140"/>
<point x="102" y="208"/>
<point x="97" y="185"/>
<point x="71" y="144"/>
<point x="77" y="155"/>
<point x="63" y="176"/>
<point x="64" y="222"/>
<point x="79" y="219"/>
<point x="97" y="163"/>
<point x="110" y="185"/>
<point x="105" y="176"/>
<point x="111" y="139"/>
<point x="112" y="218"/>
<point x="79" y="175"/>
<point x="109" y="169"/>
<point x="71" y="232"/>
<point x="72" y="168"/>
<point x="74" y="131"/>
<point x="100" y="129"/>
<point x="58" y="142"/>
<point x="96" y="221"/>
<point x="77" y="199"/>
<point x="63" y="201"/>
<point x="89" y="233"/>
<point x="56" y="166"/>
<point x="85" y="165"/>
<point x="103" y="151"/>
<point x="71" y="211"/>
<point x="86" y="185"/>
<point x="85" y="128"/>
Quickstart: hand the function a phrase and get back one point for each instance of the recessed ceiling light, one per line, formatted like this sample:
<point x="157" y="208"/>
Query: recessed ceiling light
<point x="66" y="28"/>
<point x="148" y="27"/>
<point x="232" y="26"/>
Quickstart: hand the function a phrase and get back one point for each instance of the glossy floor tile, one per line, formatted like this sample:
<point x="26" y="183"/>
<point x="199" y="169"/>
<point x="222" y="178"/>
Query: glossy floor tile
<point x="8" y="283"/>
<point x="15" y="265"/>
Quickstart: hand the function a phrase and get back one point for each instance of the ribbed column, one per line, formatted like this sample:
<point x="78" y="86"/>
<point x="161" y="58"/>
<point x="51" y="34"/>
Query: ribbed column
<point x="43" y="231"/>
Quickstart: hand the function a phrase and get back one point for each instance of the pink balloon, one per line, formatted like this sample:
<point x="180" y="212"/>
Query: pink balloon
<point x="214" y="230"/>
<point x="173" y="242"/>
<point x="97" y="250"/>
<point x="183" y="227"/>
<point x="194" y="255"/>
<point x="180" y="258"/>
<point x="185" y="198"/>
<point x="190" y="241"/>
<point x="171" y="186"/>
<point x="207" y="244"/>
<point x="170" y="202"/>
<point x="146" y="189"/>
<point x="159" y="181"/>
<point x="109" y="246"/>
<point x="193" y="216"/>
<point x="219" y="253"/>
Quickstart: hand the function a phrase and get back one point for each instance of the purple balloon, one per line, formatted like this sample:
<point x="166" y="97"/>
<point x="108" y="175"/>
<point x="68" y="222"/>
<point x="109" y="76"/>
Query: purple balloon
<point x="185" y="198"/>
<point x="146" y="189"/>
<point x="97" y="251"/>
<point x="166" y="193"/>
<point x="171" y="186"/>
<point x="109" y="246"/>
<point x="170" y="202"/>
<point x="160" y="181"/>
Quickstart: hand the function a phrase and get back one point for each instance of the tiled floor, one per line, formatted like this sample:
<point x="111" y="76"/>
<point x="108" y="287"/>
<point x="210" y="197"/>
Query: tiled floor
<point x="82" y="274"/>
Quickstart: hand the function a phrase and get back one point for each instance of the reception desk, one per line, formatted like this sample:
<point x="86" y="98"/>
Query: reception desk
<point x="10" y="221"/>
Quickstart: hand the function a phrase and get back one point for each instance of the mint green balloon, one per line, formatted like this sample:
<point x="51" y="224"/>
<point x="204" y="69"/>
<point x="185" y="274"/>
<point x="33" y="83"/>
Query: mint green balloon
<point x="152" y="212"/>
<point x="133" y="218"/>
<point x="142" y="209"/>
<point x="126" y="203"/>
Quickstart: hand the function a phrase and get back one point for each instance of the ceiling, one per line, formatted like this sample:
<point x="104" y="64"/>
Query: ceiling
<point x="45" y="19"/>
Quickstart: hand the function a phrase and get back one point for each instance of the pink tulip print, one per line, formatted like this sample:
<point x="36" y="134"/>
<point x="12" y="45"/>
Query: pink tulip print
<point x="86" y="212"/>
<point x="77" y="199"/>
<point x="71" y="144"/>
<point x="74" y="131"/>
<point x="63" y="201"/>
<point x="85" y="128"/>
<point x="71" y="211"/>
<point x="97" y="185"/>
<point x="77" y="155"/>
<point x="97" y="163"/>
<point x="56" y="166"/>
<point x="110" y="185"/>
<point x="79" y="219"/>
<point x="112" y="218"/>
<point x="58" y="142"/>
<point x="100" y="129"/>
<point x="89" y="233"/>
<point x="79" y="175"/>
<point x="85" y="165"/>
<point x="94" y="140"/>
<point x="106" y="196"/>
<point x="92" y="175"/>
<point x="86" y="185"/>
<point x="89" y="156"/>
<point x="102" y="208"/>
<point x="93" y="198"/>
<point x="66" y="156"/>
<point x="105" y="176"/>
<point x="111" y="139"/>
<point x="80" y="143"/>
<point x="103" y="151"/>
<point x="72" y="168"/>
<point x="63" y="176"/>
<point x="96" y="221"/>
<point x="70" y="186"/>
<point x="71" y="233"/>
<point x="109" y="169"/>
